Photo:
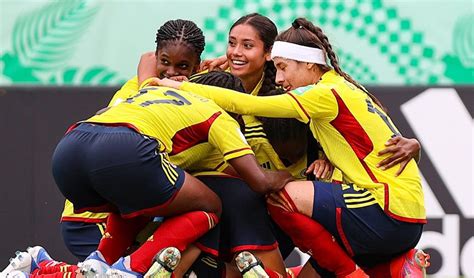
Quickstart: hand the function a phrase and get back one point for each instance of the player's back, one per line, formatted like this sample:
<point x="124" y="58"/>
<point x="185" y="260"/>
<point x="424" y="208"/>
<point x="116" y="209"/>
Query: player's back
<point x="178" y="119"/>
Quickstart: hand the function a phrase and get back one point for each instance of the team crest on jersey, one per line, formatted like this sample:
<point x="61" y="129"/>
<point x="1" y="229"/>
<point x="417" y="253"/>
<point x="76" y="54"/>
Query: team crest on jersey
<point x="301" y="90"/>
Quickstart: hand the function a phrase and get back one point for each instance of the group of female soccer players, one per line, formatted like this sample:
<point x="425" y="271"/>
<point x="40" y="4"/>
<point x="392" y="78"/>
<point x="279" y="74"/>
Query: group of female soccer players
<point x="135" y="160"/>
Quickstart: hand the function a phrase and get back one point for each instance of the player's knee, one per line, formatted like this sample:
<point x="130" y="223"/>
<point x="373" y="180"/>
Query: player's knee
<point x="216" y="206"/>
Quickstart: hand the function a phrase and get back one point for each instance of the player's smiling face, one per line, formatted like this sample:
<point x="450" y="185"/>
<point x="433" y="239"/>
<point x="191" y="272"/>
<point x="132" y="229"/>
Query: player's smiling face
<point x="176" y="59"/>
<point x="245" y="51"/>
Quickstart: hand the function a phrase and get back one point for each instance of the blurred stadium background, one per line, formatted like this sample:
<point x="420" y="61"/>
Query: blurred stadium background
<point x="60" y="61"/>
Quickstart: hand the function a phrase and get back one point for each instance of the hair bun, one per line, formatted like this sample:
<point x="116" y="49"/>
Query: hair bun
<point x="295" y="24"/>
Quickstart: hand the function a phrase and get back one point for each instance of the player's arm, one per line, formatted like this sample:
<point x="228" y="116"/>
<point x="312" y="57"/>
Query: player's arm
<point x="147" y="67"/>
<point x="225" y="135"/>
<point x="281" y="106"/>
<point x="259" y="180"/>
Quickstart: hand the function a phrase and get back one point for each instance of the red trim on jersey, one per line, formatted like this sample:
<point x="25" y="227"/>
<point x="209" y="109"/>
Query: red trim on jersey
<point x="341" y="233"/>
<point x="301" y="106"/>
<point x="238" y="150"/>
<point x="406" y="219"/>
<point x="208" y="250"/>
<point x="83" y="219"/>
<point x="369" y="172"/>
<point x="386" y="197"/>
<point x="150" y="211"/>
<point x="192" y="135"/>
<point x="351" y="130"/>
<point x="361" y="144"/>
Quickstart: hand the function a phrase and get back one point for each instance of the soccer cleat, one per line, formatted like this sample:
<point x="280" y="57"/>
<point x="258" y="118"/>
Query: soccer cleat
<point x="39" y="254"/>
<point x="22" y="262"/>
<point x="415" y="264"/>
<point x="164" y="263"/>
<point x="250" y="266"/>
<point x="94" y="265"/>
<point x="17" y="274"/>
<point x="121" y="269"/>
<point x="358" y="273"/>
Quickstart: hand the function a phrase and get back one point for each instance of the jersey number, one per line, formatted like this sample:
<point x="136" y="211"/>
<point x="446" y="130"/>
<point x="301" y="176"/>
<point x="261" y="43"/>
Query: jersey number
<point x="372" y="109"/>
<point x="177" y="100"/>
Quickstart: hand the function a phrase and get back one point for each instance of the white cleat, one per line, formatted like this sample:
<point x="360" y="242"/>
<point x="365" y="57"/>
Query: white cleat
<point x="39" y="254"/>
<point x="165" y="262"/>
<point x="94" y="266"/>
<point x="22" y="262"/>
<point x="17" y="274"/>
<point x="250" y="266"/>
<point x="121" y="269"/>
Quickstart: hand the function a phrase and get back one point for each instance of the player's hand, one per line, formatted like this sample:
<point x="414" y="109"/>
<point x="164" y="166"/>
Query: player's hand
<point x="179" y="78"/>
<point x="402" y="150"/>
<point x="146" y="66"/>
<point x="321" y="169"/>
<point x="220" y="63"/>
<point x="165" y="82"/>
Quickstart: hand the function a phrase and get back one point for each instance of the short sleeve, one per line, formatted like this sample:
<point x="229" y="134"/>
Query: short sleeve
<point x="129" y="89"/>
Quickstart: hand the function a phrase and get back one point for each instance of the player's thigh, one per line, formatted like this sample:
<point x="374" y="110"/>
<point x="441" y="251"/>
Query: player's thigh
<point x="302" y="195"/>
<point x="193" y="195"/>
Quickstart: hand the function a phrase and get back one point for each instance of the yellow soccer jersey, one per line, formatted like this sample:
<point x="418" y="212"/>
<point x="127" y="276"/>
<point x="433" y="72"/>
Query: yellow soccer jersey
<point x="129" y="89"/>
<point x="89" y="217"/>
<point x="351" y="130"/>
<point x="178" y="120"/>
<point x="264" y="152"/>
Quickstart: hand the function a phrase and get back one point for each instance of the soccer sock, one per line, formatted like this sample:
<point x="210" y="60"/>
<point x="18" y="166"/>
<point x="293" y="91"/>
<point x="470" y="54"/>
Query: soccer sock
<point x="50" y="267"/>
<point x="119" y="235"/>
<point x="311" y="236"/>
<point x="293" y="272"/>
<point x="71" y="274"/>
<point x="379" y="271"/>
<point x="178" y="231"/>
<point x="273" y="274"/>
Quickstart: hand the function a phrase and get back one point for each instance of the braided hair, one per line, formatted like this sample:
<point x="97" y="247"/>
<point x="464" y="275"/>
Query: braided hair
<point x="305" y="33"/>
<point x="267" y="32"/>
<point x="180" y="31"/>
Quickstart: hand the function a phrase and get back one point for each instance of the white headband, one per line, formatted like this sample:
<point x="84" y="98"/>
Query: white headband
<point x="298" y="52"/>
